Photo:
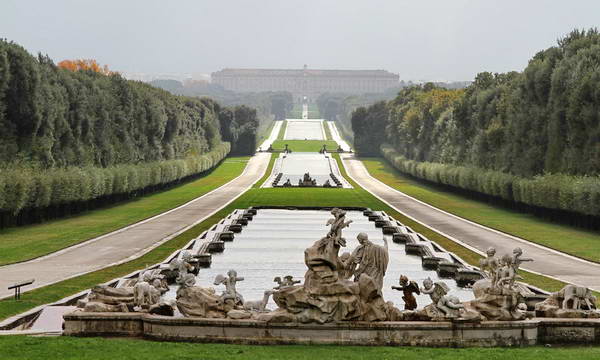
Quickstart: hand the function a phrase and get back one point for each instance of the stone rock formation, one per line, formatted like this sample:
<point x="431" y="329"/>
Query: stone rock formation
<point x="201" y="302"/>
<point x="288" y="280"/>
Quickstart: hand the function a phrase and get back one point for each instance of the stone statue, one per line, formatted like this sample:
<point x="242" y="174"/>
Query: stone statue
<point x="574" y="295"/>
<point x="143" y="296"/>
<point x="501" y="297"/>
<point x="490" y="265"/>
<point x="204" y="302"/>
<point x="371" y="259"/>
<point x="307" y="181"/>
<point x="347" y="266"/>
<point x="287" y="183"/>
<point x="327" y="294"/>
<point x="408" y="288"/>
<point x="182" y="266"/>
<point x="568" y="302"/>
<point x="230" y="293"/>
<point x="444" y="305"/>
<point x="450" y="305"/>
<point x="517" y="260"/>
<point x="258" y="305"/>
<point x="338" y="223"/>
<point x="288" y="280"/>
<point x="104" y="298"/>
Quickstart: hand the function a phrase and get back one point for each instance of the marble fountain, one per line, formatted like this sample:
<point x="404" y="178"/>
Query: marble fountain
<point x="335" y="276"/>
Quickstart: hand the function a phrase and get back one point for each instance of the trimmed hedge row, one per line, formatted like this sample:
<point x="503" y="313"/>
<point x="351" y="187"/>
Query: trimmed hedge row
<point x="578" y="194"/>
<point x="22" y="188"/>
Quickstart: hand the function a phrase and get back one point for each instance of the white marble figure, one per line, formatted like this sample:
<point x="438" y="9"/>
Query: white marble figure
<point x="230" y="292"/>
<point x="258" y="305"/>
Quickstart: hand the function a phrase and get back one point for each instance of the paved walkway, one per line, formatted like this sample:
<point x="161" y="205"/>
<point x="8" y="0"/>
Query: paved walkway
<point x="547" y="261"/>
<point x="272" y="137"/>
<point x="132" y="241"/>
<point x="335" y="135"/>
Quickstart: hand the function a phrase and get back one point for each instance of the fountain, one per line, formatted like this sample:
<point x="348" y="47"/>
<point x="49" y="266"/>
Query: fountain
<point x="346" y="298"/>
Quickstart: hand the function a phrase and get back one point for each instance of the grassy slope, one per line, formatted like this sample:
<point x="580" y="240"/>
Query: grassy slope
<point x="20" y="347"/>
<point x="578" y="242"/>
<point x="305" y="145"/>
<point x="23" y="243"/>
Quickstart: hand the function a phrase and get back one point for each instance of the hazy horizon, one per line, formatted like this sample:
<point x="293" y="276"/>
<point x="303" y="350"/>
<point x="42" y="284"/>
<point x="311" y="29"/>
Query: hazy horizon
<point x="428" y="40"/>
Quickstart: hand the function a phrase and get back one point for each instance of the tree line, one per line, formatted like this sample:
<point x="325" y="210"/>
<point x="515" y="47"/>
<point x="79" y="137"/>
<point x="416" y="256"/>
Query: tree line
<point x="530" y="137"/>
<point x="72" y="135"/>
<point x="269" y="105"/>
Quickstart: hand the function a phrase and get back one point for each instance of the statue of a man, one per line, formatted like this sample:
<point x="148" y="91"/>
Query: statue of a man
<point x="371" y="259"/>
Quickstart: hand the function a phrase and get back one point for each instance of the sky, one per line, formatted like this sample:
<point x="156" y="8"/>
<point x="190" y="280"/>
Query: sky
<point x="436" y="40"/>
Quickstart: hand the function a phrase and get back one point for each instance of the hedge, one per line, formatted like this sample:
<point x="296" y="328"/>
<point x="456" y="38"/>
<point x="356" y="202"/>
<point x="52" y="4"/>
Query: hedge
<point x="22" y="188"/>
<point x="577" y="194"/>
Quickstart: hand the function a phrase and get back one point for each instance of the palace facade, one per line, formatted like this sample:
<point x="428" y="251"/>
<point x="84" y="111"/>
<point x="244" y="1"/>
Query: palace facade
<point x="306" y="82"/>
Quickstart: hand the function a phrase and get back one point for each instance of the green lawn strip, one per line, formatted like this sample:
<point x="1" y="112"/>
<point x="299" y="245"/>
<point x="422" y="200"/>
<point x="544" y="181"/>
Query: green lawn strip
<point x="259" y="183"/>
<point x="282" y="130"/>
<point x="327" y="131"/>
<point x="27" y="242"/>
<point x="571" y="240"/>
<point x="305" y="145"/>
<point x="65" y="347"/>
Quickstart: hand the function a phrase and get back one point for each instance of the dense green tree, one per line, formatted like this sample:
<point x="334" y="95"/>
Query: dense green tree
<point x="540" y="127"/>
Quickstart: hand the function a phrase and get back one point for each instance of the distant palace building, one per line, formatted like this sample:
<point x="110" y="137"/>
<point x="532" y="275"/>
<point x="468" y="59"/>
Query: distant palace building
<point x="306" y="82"/>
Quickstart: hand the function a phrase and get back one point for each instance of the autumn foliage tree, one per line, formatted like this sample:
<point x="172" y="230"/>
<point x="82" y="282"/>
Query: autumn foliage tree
<point x="84" y="64"/>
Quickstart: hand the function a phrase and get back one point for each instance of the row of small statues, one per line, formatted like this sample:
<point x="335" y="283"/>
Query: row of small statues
<point x="307" y="183"/>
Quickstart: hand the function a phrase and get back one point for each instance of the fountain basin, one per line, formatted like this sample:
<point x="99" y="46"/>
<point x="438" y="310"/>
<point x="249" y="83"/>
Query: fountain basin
<point x="405" y="333"/>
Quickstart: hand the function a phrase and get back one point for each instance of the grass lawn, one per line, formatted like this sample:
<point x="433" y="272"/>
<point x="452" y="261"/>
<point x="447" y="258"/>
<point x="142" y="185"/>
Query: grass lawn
<point x="27" y="242"/>
<point x="571" y="240"/>
<point x="327" y="131"/>
<point x="21" y="347"/>
<point x="267" y="172"/>
<point x="282" y="130"/>
<point x="305" y="145"/>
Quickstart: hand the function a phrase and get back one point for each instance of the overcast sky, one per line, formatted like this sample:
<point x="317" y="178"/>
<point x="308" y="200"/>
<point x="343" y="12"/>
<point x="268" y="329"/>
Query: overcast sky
<point x="420" y="40"/>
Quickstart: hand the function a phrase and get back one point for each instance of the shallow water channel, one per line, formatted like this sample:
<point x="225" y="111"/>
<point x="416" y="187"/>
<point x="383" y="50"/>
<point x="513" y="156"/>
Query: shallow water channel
<point x="293" y="166"/>
<point x="273" y="245"/>
<point x="304" y="130"/>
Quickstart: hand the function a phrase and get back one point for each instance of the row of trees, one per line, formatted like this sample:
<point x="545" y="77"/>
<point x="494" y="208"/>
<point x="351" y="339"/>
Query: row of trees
<point x="537" y="132"/>
<point x="77" y="133"/>
<point x="29" y="195"/>
<point x="339" y="106"/>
